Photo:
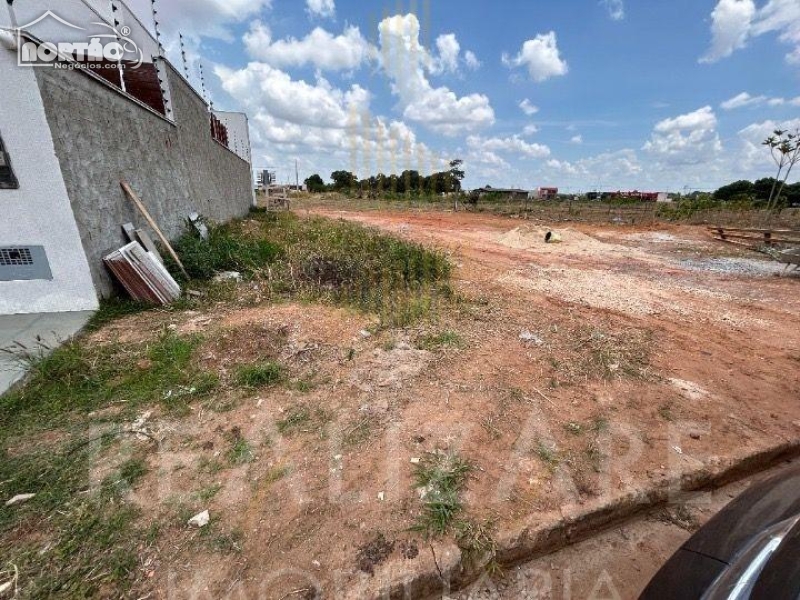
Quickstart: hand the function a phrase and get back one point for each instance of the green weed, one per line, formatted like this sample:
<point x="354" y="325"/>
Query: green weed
<point x="443" y="478"/>
<point x="259" y="375"/>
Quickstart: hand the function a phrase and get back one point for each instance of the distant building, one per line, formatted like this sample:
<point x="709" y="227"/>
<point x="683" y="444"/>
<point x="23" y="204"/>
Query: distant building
<point x="636" y="195"/>
<point x="499" y="193"/>
<point x="547" y="193"/>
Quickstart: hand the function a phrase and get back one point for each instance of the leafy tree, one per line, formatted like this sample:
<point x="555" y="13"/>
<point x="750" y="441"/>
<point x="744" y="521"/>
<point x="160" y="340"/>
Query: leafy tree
<point x="457" y="174"/>
<point x="343" y="180"/>
<point x="763" y="188"/>
<point x="315" y="184"/>
<point x="733" y="191"/>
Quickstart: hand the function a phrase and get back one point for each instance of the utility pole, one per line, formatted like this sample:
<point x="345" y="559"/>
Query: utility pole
<point x="296" y="175"/>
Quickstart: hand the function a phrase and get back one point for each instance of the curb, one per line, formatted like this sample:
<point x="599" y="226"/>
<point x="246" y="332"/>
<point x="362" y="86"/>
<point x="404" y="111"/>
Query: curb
<point x="533" y="542"/>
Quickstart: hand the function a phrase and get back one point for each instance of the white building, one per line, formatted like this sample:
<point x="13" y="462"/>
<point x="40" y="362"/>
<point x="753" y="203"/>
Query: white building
<point x="68" y="136"/>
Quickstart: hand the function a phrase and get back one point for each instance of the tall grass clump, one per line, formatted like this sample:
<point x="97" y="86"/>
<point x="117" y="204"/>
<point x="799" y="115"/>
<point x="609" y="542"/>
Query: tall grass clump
<point x="226" y="249"/>
<point x="346" y="263"/>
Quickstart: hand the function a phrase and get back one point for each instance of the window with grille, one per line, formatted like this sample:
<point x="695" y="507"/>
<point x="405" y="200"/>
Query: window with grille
<point x="8" y="180"/>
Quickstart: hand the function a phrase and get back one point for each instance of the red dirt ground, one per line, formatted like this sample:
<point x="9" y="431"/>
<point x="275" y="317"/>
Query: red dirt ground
<point x="647" y="352"/>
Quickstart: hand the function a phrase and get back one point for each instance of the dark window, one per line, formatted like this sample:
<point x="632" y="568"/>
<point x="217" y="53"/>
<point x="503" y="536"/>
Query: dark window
<point x="7" y="179"/>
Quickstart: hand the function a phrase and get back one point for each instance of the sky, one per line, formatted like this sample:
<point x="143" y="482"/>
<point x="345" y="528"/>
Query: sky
<point x="663" y="95"/>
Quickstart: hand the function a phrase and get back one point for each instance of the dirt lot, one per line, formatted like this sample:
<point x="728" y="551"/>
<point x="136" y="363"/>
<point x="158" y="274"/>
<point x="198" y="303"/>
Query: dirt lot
<point x="567" y="375"/>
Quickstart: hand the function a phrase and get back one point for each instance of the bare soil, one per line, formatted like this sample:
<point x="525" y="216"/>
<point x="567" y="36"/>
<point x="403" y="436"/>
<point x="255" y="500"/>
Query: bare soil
<point x="586" y="369"/>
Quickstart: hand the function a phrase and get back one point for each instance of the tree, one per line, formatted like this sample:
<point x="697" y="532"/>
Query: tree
<point x="785" y="150"/>
<point x="457" y="174"/>
<point x="315" y="184"/>
<point x="343" y="180"/>
<point x="733" y="191"/>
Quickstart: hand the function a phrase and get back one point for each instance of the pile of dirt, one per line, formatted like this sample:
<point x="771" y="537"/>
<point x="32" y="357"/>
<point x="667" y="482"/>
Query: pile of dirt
<point x="573" y="241"/>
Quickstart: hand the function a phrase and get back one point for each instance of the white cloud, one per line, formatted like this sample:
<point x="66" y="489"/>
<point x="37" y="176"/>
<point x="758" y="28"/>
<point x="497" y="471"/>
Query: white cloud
<point x="541" y="57"/>
<point x="407" y="64"/>
<point x="530" y="130"/>
<point x="319" y="48"/>
<point x="449" y="52"/>
<point x="261" y="87"/>
<point x="514" y="145"/>
<point x="754" y="156"/>
<point x="607" y="170"/>
<point x="734" y="22"/>
<point x="686" y="139"/>
<point x="577" y="140"/>
<point x="743" y="100"/>
<point x="615" y="8"/>
<point x="528" y="108"/>
<point x="781" y="17"/>
<point x="730" y="28"/>
<point x="324" y="127"/>
<point x="472" y="62"/>
<point x="321" y="8"/>
<point x="449" y="59"/>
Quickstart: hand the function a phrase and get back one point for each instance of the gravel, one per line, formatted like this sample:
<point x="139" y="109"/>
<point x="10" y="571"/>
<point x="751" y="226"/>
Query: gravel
<point x="735" y="266"/>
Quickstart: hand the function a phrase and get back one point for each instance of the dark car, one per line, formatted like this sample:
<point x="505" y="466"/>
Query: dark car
<point x="750" y="550"/>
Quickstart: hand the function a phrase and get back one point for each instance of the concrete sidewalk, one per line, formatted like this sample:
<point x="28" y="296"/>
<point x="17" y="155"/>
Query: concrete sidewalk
<point x="34" y="333"/>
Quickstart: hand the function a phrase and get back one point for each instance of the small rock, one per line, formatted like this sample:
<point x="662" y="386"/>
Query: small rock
<point x="381" y="496"/>
<point x="316" y="564"/>
<point x="20" y="499"/>
<point x="416" y="461"/>
<point x="528" y="337"/>
<point x="200" y="520"/>
<point x="365" y="334"/>
<point x="695" y="436"/>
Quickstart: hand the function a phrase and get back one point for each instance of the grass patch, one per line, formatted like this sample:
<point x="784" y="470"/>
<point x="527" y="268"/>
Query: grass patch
<point x="599" y="424"/>
<point x="665" y="411"/>
<point x="240" y="453"/>
<point x="478" y="546"/>
<point x="115" y="308"/>
<point x="78" y="378"/>
<point x="548" y="455"/>
<point x="275" y="474"/>
<point x="573" y="428"/>
<point x="71" y="540"/>
<point x="445" y="339"/>
<point x="259" y="375"/>
<point x="224" y="250"/>
<point x="209" y="493"/>
<point x="442" y="477"/>
<point x="302" y="419"/>
<point x="617" y="355"/>
<point x="297" y="419"/>
<point x="359" y="432"/>
<point x="348" y="264"/>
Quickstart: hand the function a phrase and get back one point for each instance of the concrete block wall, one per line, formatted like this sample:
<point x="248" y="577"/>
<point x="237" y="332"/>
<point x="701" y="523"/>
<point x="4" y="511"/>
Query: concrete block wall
<point x="102" y="136"/>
